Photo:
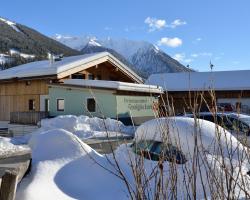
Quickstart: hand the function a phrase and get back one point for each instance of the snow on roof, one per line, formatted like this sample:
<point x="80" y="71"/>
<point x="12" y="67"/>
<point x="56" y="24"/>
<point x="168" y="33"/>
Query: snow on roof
<point x="114" y="85"/>
<point x="193" y="81"/>
<point x="46" y="67"/>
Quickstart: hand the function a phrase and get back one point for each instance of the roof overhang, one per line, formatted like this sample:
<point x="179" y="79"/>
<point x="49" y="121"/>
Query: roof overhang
<point x="98" y="59"/>
<point x="109" y="85"/>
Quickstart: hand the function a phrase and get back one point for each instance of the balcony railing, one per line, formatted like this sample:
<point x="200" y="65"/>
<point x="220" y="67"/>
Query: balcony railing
<point x="32" y="117"/>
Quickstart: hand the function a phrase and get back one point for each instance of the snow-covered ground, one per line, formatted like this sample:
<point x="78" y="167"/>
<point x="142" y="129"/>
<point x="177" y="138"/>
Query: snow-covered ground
<point x="65" y="168"/>
<point x="61" y="162"/>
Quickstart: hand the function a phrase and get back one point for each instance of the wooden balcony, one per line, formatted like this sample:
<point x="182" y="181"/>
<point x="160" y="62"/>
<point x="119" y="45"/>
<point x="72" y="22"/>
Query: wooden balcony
<point x="32" y="117"/>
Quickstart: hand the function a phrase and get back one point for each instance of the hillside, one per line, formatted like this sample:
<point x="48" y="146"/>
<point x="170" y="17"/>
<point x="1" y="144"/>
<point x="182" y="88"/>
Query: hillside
<point x="29" y="41"/>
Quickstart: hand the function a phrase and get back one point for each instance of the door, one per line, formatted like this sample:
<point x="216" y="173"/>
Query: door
<point x="44" y="103"/>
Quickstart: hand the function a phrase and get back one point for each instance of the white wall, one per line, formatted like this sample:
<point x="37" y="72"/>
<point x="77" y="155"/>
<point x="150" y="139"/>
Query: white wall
<point x="42" y="101"/>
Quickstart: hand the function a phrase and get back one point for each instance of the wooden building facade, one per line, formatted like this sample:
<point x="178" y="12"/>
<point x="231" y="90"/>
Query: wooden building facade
<point x="25" y="88"/>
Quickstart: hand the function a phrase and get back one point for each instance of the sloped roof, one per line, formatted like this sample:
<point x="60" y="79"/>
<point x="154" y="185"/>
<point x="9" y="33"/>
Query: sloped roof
<point x="202" y="81"/>
<point x="66" y="66"/>
<point x="116" y="85"/>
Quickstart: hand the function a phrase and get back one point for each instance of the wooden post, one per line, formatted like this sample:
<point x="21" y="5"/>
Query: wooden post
<point x="8" y="185"/>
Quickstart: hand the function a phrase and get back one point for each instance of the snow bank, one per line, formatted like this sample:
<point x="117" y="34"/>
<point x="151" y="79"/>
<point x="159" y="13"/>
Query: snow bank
<point x="85" y="127"/>
<point x="59" y="144"/>
<point x="63" y="167"/>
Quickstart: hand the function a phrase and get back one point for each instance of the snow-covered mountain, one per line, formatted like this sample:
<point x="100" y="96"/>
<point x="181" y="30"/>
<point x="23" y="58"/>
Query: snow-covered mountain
<point x="20" y="44"/>
<point x="145" y="57"/>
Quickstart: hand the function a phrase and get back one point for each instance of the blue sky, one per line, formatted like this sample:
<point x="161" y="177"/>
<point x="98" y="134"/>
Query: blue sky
<point x="193" y="31"/>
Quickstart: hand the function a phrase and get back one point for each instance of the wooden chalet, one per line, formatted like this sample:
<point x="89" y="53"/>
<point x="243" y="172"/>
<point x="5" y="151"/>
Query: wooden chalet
<point x="24" y="89"/>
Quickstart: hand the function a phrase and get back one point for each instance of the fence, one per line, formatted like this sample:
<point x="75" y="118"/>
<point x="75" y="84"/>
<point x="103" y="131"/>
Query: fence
<point x="32" y="117"/>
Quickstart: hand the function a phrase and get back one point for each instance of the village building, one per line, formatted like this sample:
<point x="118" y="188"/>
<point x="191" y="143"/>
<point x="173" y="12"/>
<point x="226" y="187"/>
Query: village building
<point x="128" y="102"/>
<point x="5" y="59"/>
<point x="184" y="91"/>
<point x="24" y="91"/>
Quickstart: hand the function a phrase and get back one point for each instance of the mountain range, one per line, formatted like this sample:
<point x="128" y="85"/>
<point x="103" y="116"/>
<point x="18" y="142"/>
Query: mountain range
<point x="144" y="57"/>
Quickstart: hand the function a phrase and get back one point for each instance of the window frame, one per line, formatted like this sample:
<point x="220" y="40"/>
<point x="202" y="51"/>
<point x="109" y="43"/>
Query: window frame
<point x="57" y="105"/>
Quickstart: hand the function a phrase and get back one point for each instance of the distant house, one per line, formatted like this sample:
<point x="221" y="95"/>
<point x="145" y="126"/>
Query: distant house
<point x="128" y="102"/>
<point x="24" y="89"/>
<point x="231" y="87"/>
<point x="5" y="59"/>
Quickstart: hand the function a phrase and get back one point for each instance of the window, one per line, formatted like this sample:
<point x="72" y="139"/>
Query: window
<point x="98" y="77"/>
<point x="155" y="150"/>
<point x="91" y="105"/>
<point x="78" y="76"/>
<point x="111" y="78"/>
<point x="91" y="77"/>
<point x="60" y="104"/>
<point x="28" y="83"/>
<point x="32" y="104"/>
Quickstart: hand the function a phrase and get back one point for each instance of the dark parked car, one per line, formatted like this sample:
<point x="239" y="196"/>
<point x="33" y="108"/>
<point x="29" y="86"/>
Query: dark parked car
<point x="237" y="124"/>
<point x="227" y="107"/>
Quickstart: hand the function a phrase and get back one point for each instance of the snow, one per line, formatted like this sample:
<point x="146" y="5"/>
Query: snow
<point x="156" y="49"/>
<point x="10" y="23"/>
<point x="115" y="85"/>
<point x="125" y="47"/>
<point x="65" y="168"/>
<point x="94" y="43"/>
<point x="14" y="52"/>
<point x="77" y="42"/>
<point x="195" y="81"/>
<point x="27" y="56"/>
<point x="85" y="127"/>
<point x="7" y="148"/>
<point x="3" y="59"/>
